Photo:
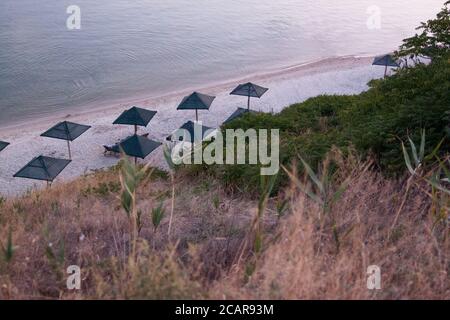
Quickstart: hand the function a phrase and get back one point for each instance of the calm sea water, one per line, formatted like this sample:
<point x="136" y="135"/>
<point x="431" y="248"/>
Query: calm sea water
<point x="127" y="48"/>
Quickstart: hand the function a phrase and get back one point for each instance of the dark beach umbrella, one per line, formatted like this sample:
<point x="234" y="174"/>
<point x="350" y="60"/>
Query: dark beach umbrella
<point x="386" y="61"/>
<point x="138" y="146"/>
<point x="3" y="145"/>
<point x="190" y="127"/>
<point x="135" y="116"/>
<point x="249" y="90"/>
<point x="195" y="102"/>
<point x="238" y="113"/>
<point x="43" y="168"/>
<point x="68" y="131"/>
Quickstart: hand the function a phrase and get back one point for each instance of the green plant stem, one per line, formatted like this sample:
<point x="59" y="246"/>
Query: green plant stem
<point x="172" y="179"/>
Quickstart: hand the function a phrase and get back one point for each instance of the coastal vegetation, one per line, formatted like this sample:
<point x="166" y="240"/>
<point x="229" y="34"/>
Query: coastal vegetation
<point x="364" y="182"/>
<point x="296" y="245"/>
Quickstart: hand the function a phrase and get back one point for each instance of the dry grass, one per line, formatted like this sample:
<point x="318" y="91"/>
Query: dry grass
<point x="305" y="262"/>
<point x="303" y="257"/>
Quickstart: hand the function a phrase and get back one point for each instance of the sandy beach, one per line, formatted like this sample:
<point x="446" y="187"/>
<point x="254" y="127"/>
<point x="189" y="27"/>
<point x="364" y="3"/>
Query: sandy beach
<point x="343" y="75"/>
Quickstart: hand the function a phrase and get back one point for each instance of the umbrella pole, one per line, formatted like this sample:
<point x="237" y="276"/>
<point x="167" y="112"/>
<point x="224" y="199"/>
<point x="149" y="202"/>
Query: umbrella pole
<point x="68" y="147"/>
<point x="385" y="71"/>
<point x="196" y="115"/>
<point x="248" y="103"/>
<point x="135" y="129"/>
<point x="135" y="160"/>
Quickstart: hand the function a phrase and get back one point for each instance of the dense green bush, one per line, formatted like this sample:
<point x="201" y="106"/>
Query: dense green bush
<point x="432" y="41"/>
<point x="412" y="99"/>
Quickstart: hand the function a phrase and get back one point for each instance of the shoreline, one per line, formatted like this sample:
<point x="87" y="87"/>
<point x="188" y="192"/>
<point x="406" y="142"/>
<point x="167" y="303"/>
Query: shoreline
<point x="315" y="66"/>
<point x="288" y="85"/>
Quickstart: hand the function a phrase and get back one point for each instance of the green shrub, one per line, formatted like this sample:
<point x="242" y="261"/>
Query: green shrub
<point x="373" y="122"/>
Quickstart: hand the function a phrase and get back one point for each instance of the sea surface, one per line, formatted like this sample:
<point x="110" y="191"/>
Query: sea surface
<point x="131" y="48"/>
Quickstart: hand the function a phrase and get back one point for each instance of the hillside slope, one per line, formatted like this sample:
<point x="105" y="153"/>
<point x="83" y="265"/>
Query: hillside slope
<point x="303" y="252"/>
